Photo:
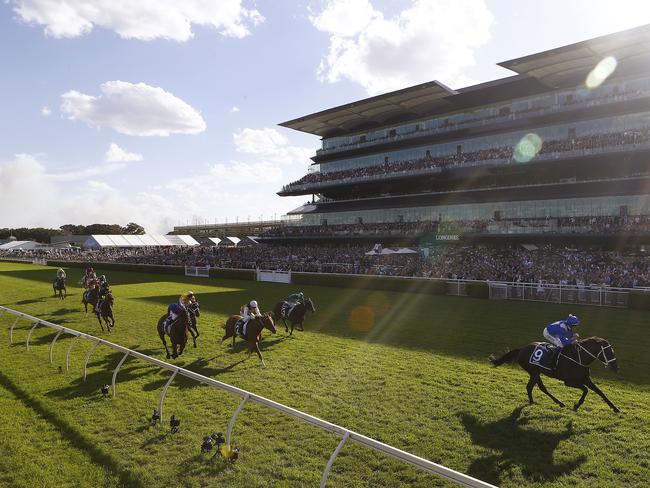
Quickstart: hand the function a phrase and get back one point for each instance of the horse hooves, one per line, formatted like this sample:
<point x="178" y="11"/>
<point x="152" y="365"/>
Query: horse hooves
<point x="576" y="407"/>
<point x="562" y="405"/>
<point x="616" y="409"/>
<point x="168" y="356"/>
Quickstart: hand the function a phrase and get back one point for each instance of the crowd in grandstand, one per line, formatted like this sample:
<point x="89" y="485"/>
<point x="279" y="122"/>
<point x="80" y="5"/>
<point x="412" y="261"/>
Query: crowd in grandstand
<point x="513" y="264"/>
<point x="582" y="143"/>
<point x="566" y="225"/>
<point x="538" y="106"/>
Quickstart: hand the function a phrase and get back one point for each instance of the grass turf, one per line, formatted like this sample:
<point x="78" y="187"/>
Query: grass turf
<point x="409" y="370"/>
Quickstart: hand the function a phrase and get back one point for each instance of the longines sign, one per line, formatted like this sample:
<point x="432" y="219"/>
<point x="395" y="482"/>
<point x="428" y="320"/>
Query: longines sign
<point x="447" y="237"/>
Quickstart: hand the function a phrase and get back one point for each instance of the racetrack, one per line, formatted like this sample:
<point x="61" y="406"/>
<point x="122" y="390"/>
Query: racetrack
<point x="409" y="370"/>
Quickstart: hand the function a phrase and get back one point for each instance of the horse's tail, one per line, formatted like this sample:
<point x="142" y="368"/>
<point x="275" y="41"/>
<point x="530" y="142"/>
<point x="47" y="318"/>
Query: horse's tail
<point x="509" y="357"/>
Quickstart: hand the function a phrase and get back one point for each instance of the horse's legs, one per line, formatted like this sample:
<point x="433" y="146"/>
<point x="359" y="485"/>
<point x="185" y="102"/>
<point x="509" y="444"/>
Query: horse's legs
<point x="192" y="329"/>
<point x="531" y="384"/>
<point x="182" y="347"/>
<point x="162" y="338"/>
<point x="259" y="353"/>
<point x="582" y="397"/>
<point x="99" y="319"/>
<point x="544" y="390"/>
<point x="591" y="385"/>
<point x="174" y="349"/>
<point x="286" y="327"/>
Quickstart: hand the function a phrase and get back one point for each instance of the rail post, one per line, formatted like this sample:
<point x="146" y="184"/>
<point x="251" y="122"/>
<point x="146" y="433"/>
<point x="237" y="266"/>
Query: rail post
<point x="119" y="365"/>
<point x="332" y="458"/>
<point x="231" y="424"/>
<point x="29" y="334"/>
<point x="67" y="353"/>
<point x="11" y="330"/>
<point x="90" y="353"/>
<point x="52" y="343"/>
<point x="163" y="393"/>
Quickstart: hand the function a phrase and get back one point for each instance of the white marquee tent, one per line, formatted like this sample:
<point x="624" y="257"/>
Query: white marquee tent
<point x="100" y="241"/>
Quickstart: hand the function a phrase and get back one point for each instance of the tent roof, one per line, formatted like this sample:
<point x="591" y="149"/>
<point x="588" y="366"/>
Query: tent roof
<point x="128" y="240"/>
<point x="15" y="245"/>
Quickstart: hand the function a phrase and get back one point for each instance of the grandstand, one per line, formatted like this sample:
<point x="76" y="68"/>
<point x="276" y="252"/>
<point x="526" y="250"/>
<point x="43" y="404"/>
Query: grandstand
<point x="541" y="153"/>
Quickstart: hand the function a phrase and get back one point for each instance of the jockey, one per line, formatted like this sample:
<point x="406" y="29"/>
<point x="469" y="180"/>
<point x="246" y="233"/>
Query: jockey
<point x="60" y="274"/>
<point x="88" y="280"/>
<point x="249" y="311"/>
<point x="296" y="298"/>
<point x="187" y="299"/>
<point x="561" y="333"/>
<point x="102" y="292"/>
<point x="174" y="311"/>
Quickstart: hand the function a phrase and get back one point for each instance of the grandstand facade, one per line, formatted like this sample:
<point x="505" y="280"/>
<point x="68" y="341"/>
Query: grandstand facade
<point x="562" y="146"/>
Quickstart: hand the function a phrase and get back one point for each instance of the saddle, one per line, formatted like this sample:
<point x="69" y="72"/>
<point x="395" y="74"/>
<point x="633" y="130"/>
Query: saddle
<point x="287" y="308"/>
<point x="240" y="328"/>
<point x="168" y="324"/>
<point x="545" y="356"/>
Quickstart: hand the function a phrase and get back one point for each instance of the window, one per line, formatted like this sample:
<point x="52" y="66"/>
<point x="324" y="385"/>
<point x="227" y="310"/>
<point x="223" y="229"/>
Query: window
<point x="497" y="215"/>
<point x="362" y="139"/>
<point x="459" y="149"/>
<point x="392" y="132"/>
<point x="359" y="220"/>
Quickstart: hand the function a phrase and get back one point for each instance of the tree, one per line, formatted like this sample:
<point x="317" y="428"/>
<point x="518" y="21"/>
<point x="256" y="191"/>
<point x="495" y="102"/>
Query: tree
<point x="133" y="228"/>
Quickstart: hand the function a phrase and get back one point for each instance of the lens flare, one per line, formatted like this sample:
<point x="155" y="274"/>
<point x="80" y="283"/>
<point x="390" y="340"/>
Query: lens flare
<point x="527" y="148"/>
<point x="601" y="72"/>
<point x="362" y="318"/>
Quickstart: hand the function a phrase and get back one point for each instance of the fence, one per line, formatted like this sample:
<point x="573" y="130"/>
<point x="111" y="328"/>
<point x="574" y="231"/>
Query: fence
<point x="274" y="276"/>
<point x="201" y="271"/>
<point x="557" y="293"/>
<point x="246" y="396"/>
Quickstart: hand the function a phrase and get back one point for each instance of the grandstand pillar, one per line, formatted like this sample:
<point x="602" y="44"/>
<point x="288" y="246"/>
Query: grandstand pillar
<point x="119" y="365"/>
<point x="332" y="458"/>
<point x="163" y="393"/>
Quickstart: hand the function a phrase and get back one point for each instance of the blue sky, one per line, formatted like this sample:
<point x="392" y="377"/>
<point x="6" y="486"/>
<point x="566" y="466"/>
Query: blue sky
<point x="165" y="112"/>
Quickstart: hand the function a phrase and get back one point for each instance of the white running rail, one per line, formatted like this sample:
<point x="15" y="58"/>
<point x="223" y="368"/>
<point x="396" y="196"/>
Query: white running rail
<point x="246" y="396"/>
<point x="274" y="276"/>
<point x="201" y="271"/>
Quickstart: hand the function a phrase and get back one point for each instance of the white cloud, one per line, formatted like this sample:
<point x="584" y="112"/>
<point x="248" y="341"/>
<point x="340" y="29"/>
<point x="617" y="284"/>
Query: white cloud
<point x="116" y="154"/>
<point x="133" y="109"/>
<point x="25" y="176"/>
<point x="143" y="19"/>
<point x="271" y="145"/>
<point x="45" y="111"/>
<point x="234" y="109"/>
<point x="431" y="39"/>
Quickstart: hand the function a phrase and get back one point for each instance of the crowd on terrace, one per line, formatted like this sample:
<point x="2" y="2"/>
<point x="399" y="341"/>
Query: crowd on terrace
<point x="582" y="143"/>
<point x="543" y="104"/>
<point x="566" y="225"/>
<point x="512" y="264"/>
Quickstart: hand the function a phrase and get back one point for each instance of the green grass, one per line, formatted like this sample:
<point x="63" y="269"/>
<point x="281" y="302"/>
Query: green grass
<point x="409" y="370"/>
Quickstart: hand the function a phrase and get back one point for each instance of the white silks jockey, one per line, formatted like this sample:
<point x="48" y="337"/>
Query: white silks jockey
<point x="248" y="312"/>
<point x="60" y="274"/>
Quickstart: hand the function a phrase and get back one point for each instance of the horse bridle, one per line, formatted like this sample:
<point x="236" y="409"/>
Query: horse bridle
<point x="602" y="360"/>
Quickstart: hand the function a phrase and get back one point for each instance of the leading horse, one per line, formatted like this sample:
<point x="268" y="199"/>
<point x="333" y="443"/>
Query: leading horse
<point x="58" y="285"/>
<point x="177" y="332"/>
<point x="253" y="332"/>
<point x="572" y="367"/>
<point x="295" y="316"/>
<point x="106" y="312"/>
<point x="194" y="310"/>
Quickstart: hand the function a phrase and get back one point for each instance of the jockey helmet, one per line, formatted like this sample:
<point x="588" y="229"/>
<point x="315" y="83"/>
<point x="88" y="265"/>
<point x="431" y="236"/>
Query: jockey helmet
<point x="89" y="270"/>
<point x="253" y="304"/>
<point x="572" y="320"/>
<point x="190" y="294"/>
<point x="102" y="278"/>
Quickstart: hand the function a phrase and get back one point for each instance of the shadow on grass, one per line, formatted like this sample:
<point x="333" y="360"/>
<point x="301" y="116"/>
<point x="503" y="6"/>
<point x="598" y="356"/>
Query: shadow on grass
<point x="531" y="450"/>
<point x="33" y="300"/>
<point x="72" y="435"/>
<point x="201" y="465"/>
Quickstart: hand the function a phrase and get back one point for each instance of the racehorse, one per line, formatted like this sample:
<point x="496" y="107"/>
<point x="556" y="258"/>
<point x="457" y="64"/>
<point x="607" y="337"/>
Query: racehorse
<point x="90" y="297"/>
<point x="194" y="311"/>
<point x="296" y="316"/>
<point x="58" y="285"/>
<point x="572" y="367"/>
<point x="177" y="333"/>
<point x="253" y="332"/>
<point x="106" y="312"/>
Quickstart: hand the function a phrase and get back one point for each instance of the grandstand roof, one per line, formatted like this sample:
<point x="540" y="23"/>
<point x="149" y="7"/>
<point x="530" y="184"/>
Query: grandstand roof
<point x="563" y="66"/>
<point x="570" y="64"/>
<point x="404" y="104"/>
<point x="98" y="241"/>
